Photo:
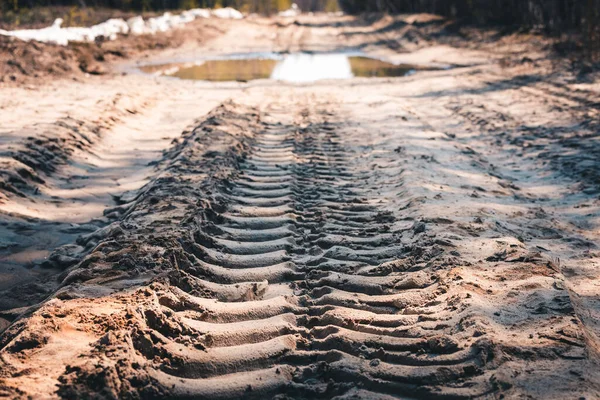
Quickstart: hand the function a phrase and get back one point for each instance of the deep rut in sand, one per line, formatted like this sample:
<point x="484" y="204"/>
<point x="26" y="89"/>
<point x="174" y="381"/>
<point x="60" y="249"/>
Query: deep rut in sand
<point x="264" y="262"/>
<point x="302" y="246"/>
<point x="310" y="300"/>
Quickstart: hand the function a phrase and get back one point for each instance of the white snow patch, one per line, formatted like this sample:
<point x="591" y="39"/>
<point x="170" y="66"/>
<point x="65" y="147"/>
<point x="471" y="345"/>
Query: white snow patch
<point x="113" y="27"/>
<point x="227" y="13"/>
<point x="291" y="12"/>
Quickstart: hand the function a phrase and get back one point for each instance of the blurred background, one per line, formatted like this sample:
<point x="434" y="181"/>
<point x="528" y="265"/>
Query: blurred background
<point x="554" y="17"/>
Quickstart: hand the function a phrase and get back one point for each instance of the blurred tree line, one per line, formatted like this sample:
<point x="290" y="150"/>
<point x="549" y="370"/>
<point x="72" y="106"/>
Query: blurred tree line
<point x="554" y="16"/>
<point x="258" y="6"/>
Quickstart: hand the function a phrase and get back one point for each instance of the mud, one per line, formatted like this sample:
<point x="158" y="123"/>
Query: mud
<point x="430" y="236"/>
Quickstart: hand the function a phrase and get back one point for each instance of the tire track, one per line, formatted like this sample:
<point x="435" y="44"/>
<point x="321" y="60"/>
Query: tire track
<point x="263" y="263"/>
<point x="308" y="301"/>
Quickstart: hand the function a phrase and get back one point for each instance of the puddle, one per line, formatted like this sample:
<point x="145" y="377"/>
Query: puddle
<point x="298" y="68"/>
<point x="217" y="70"/>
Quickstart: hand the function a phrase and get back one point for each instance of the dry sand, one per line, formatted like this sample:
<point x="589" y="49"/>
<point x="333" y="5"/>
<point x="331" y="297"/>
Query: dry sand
<point x="431" y="236"/>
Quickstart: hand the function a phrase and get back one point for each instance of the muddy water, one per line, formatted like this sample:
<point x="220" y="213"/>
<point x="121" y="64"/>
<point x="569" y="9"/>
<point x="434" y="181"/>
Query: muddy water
<point x="300" y="67"/>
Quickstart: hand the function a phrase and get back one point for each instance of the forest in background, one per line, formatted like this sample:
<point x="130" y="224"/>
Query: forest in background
<point x="38" y="13"/>
<point x="16" y="14"/>
<point x="553" y="16"/>
<point x="266" y="6"/>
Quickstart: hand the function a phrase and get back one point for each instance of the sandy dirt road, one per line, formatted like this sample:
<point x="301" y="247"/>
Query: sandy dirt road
<point x="430" y="236"/>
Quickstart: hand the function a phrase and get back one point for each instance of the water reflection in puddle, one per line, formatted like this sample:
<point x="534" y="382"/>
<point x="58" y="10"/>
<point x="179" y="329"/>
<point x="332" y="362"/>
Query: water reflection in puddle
<point x="300" y="67"/>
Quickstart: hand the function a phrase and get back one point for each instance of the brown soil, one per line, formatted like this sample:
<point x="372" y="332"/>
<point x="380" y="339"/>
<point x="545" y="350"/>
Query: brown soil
<point x="31" y="62"/>
<point x="430" y="236"/>
<point x="42" y="17"/>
